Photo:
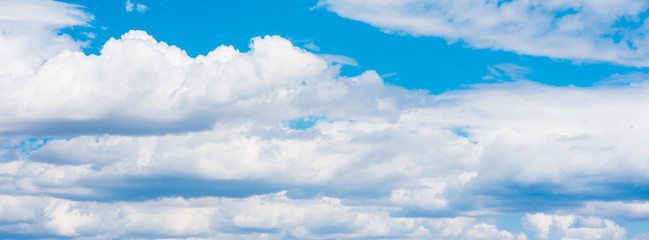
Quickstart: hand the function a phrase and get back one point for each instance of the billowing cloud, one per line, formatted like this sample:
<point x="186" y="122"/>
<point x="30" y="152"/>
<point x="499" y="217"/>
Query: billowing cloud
<point x="138" y="78"/>
<point x="600" y="31"/>
<point x="572" y="227"/>
<point x="135" y="141"/>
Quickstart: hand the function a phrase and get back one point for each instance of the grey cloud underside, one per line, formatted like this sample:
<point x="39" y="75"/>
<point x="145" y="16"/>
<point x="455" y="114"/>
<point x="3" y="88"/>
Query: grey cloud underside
<point x="151" y="188"/>
<point x="112" y="125"/>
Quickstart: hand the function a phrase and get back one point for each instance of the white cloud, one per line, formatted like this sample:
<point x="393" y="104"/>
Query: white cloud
<point x="393" y="137"/>
<point x="145" y="110"/>
<point x="577" y="30"/>
<point x="273" y="216"/>
<point x="337" y="155"/>
<point x="130" y="6"/>
<point x="30" y="33"/>
<point x="137" y="80"/>
<point x="139" y="57"/>
<point x="311" y="46"/>
<point x="634" y="210"/>
<point x="141" y="8"/>
<point x="506" y="72"/>
<point x="42" y="12"/>
<point x="396" y="139"/>
<point x="430" y="197"/>
<point x="572" y="227"/>
<point x="566" y="137"/>
<point x="338" y="59"/>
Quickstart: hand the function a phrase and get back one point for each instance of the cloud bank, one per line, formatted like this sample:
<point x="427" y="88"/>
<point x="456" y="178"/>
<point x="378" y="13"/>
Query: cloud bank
<point x="591" y="31"/>
<point x="143" y="141"/>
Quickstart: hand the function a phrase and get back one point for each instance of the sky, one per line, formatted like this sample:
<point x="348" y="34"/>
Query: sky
<point x="324" y="119"/>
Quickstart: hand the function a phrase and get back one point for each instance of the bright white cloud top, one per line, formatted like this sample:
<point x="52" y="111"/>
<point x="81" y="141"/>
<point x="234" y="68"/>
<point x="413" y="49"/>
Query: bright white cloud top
<point x="143" y="141"/>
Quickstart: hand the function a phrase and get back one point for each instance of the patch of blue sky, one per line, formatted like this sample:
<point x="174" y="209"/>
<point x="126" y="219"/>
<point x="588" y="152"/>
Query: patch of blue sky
<point x="628" y="23"/>
<point x="511" y="223"/>
<point x="565" y="12"/>
<point x="460" y="131"/>
<point x="304" y="122"/>
<point x="634" y="227"/>
<point x="632" y="23"/>
<point x="29" y="145"/>
<point x="411" y="62"/>
<point x="501" y="2"/>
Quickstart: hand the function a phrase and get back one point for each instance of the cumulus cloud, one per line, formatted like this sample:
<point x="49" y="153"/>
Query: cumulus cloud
<point x="271" y="216"/>
<point x="178" y="86"/>
<point x="606" y="31"/>
<point x="138" y="139"/>
<point x="572" y="227"/>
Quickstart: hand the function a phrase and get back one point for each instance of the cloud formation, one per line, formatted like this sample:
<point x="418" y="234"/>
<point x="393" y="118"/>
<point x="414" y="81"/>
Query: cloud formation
<point x="599" y="31"/>
<point x="272" y="216"/>
<point x="572" y="227"/>
<point x="136" y="141"/>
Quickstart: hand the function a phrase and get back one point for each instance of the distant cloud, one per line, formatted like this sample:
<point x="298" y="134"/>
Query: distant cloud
<point x="506" y="72"/>
<point x="138" y="7"/>
<point x="129" y="6"/>
<point x="312" y="46"/>
<point x="338" y="59"/>
<point x="572" y="227"/>
<point x="599" y="31"/>
<point x="89" y="34"/>
<point x="141" y="7"/>
<point x="388" y="75"/>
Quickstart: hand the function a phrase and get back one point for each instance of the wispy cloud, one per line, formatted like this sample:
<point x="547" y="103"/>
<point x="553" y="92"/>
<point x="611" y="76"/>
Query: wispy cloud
<point x="30" y="33"/>
<point x="130" y="6"/>
<point x="600" y="31"/>
<point x="338" y="59"/>
<point x="312" y="46"/>
<point x="507" y="71"/>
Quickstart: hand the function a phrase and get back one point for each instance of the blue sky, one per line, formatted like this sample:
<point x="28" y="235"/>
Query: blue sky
<point x="310" y="119"/>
